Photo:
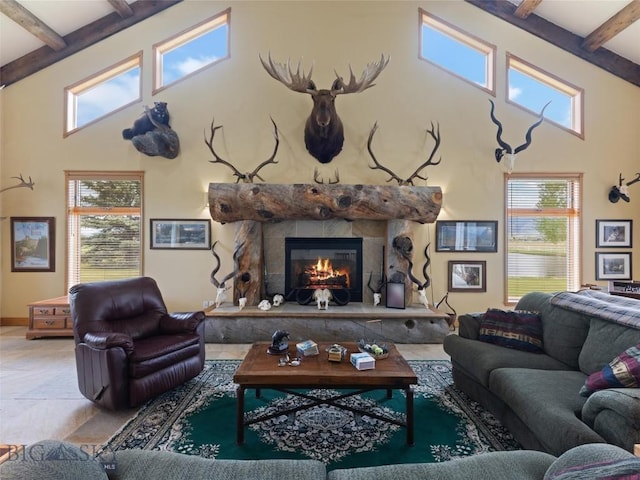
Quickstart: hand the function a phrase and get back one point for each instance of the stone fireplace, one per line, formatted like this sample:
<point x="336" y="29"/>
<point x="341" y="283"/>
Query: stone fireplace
<point x="380" y="218"/>
<point x="254" y="207"/>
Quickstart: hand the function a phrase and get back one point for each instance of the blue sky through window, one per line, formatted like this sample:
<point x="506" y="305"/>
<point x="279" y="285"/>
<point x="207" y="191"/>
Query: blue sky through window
<point x="107" y="96"/>
<point x="195" y="54"/>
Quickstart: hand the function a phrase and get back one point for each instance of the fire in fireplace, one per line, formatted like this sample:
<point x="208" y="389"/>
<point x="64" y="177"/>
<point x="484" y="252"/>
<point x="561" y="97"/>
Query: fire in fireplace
<point x="334" y="263"/>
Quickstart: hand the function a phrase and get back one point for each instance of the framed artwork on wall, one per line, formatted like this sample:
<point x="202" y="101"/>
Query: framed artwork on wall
<point x="395" y="295"/>
<point x="614" y="233"/>
<point x="467" y="236"/>
<point x="33" y="244"/>
<point x="467" y="276"/>
<point x="179" y="234"/>
<point x="613" y="266"/>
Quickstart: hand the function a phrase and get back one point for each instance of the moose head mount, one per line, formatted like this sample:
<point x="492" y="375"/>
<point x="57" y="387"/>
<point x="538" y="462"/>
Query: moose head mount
<point x="323" y="131"/>
<point x="505" y="148"/>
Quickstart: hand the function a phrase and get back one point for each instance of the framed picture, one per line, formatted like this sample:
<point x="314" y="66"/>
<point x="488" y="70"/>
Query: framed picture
<point x="467" y="236"/>
<point x="614" y="233"/>
<point x="613" y="266"/>
<point x="169" y="233"/>
<point x="467" y="276"/>
<point x="395" y="295"/>
<point x="33" y="244"/>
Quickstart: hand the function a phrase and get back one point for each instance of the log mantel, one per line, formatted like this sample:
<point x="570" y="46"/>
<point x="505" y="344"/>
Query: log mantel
<point x="268" y="202"/>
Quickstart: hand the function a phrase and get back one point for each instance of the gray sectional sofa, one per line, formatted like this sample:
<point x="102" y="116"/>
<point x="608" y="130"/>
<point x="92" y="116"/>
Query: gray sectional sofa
<point x="536" y="395"/>
<point x="53" y="460"/>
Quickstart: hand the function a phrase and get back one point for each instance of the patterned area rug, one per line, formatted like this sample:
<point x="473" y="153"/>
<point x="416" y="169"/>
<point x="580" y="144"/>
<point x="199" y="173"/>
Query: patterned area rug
<point x="199" y="419"/>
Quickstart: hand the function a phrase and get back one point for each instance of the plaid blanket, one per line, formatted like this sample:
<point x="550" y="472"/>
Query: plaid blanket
<point x="622" y="310"/>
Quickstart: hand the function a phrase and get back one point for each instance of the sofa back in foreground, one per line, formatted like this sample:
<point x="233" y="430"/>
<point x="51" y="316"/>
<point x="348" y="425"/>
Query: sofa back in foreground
<point x="53" y="459"/>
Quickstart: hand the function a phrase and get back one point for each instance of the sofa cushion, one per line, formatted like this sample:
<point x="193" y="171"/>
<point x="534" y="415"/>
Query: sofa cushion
<point x="143" y="464"/>
<point x="563" y="331"/>
<point x="520" y="464"/>
<point x="479" y="359"/>
<point x="52" y="459"/>
<point x="520" y="330"/>
<point x="548" y="403"/>
<point x="622" y="371"/>
<point x="595" y="461"/>
<point x="605" y="341"/>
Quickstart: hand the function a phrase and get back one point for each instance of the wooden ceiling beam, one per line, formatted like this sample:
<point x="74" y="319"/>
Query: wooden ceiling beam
<point x="612" y="27"/>
<point x="32" y="24"/>
<point x="80" y="39"/>
<point x="526" y="8"/>
<point x="561" y="38"/>
<point x="122" y="7"/>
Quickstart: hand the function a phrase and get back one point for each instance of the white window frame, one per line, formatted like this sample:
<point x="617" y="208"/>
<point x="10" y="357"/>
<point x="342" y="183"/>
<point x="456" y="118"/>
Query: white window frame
<point x="73" y="92"/>
<point x="183" y="38"/>
<point x="574" y="234"/>
<point x="555" y="83"/>
<point x="466" y="39"/>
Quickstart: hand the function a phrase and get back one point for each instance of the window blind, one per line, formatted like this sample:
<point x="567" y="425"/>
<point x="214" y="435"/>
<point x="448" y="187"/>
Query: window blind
<point x="542" y="233"/>
<point x="104" y="225"/>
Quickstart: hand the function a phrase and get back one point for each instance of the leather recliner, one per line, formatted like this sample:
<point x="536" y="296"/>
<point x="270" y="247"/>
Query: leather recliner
<point x="128" y="348"/>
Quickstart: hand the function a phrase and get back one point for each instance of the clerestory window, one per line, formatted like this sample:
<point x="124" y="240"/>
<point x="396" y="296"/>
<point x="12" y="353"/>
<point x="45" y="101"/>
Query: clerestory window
<point x="102" y="94"/>
<point x="531" y="88"/>
<point x="457" y="52"/>
<point x="191" y="51"/>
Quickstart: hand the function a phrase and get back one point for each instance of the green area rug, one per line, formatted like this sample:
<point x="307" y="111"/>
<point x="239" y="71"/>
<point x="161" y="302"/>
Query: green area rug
<point x="199" y="418"/>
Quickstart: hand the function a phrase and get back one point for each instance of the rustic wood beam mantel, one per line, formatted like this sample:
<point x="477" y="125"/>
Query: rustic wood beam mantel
<point x="232" y="202"/>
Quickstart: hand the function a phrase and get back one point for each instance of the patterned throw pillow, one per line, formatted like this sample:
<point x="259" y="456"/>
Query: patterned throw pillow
<point x="626" y="469"/>
<point x="623" y="371"/>
<point x="516" y="329"/>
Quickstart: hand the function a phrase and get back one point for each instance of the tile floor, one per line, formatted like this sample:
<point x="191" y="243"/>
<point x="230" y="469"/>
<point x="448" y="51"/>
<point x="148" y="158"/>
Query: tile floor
<point x="39" y="396"/>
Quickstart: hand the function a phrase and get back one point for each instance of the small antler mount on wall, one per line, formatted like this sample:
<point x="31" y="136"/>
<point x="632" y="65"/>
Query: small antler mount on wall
<point x="621" y="191"/>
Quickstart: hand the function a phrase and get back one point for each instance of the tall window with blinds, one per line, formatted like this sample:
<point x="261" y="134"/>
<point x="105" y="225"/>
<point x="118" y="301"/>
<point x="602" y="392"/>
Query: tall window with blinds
<point x="542" y="233"/>
<point x="104" y="226"/>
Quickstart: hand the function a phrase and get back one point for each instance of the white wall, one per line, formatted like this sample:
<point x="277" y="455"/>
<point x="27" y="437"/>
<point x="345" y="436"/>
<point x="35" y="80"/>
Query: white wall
<point x="408" y="96"/>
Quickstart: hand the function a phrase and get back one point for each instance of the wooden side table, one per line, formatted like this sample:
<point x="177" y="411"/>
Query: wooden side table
<point x="50" y="318"/>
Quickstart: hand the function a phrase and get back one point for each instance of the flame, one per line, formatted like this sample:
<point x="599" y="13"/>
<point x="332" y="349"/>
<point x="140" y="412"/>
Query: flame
<point x="323" y="272"/>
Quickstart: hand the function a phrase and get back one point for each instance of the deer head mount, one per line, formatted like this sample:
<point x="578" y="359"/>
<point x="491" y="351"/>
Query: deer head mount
<point x="248" y="176"/>
<point x="22" y="183"/>
<point x="434" y="133"/>
<point x="621" y="191"/>
<point x="505" y="148"/>
<point x="323" y="131"/>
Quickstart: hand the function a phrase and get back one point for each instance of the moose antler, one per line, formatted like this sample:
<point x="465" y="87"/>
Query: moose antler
<point x="249" y="176"/>
<point x="435" y="134"/>
<point x="317" y="179"/>
<point x="290" y="79"/>
<point x="221" y="284"/>
<point x="370" y="73"/>
<point x="504" y="146"/>
<point x="22" y="183"/>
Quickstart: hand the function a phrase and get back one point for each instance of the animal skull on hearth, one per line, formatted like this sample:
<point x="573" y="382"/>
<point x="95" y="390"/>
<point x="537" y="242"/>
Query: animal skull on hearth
<point x="422" y="296"/>
<point x="377" y="297"/>
<point x="221" y="295"/>
<point x="322" y="296"/>
<point x="242" y="302"/>
<point x="278" y="300"/>
<point x="264" y="305"/>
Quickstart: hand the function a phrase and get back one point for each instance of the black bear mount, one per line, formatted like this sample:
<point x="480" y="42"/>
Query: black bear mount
<point x="152" y="135"/>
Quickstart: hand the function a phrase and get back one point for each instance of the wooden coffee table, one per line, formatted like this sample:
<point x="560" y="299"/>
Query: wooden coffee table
<point x="259" y="370"/>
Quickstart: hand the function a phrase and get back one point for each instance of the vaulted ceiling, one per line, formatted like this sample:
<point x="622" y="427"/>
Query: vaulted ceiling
<point x="37" y="33"/>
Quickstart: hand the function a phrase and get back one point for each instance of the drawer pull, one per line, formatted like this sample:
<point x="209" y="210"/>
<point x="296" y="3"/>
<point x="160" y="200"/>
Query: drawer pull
<point x="49" y="322"/>
<point x="43" y="311"/>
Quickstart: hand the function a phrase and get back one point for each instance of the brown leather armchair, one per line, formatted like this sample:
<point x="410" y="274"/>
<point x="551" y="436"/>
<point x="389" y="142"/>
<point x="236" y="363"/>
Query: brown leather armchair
<point x="128" y="348"/>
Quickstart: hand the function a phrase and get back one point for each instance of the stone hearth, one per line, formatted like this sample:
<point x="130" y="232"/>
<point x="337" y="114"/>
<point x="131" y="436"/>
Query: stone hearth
<point x="351" y="322"/>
